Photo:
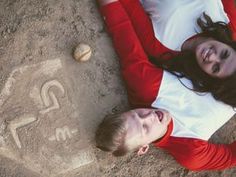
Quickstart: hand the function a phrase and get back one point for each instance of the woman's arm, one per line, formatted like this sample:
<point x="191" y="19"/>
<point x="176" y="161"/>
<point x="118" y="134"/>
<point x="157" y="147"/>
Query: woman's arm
<point x="105" y="2"/>
<point x="230" y="9"/>
<point x="141" y="77"/>
<point x="143" y="27"/>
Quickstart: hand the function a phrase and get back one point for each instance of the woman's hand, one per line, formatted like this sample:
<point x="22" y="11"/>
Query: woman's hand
<point x="105" y="2"/>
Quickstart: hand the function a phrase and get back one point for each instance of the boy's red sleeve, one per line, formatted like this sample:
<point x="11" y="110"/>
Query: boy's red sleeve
<point x="230" y="9"/>
<point x="141" y="77"/>
<point x="199" y="155"/>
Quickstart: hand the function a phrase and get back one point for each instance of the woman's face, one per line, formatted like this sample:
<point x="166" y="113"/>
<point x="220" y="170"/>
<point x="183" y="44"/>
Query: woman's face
<point x="216" y="58"/>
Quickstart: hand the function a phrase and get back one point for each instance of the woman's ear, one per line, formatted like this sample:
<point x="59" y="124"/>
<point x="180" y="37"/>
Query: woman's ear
<point x="143" y="149"/>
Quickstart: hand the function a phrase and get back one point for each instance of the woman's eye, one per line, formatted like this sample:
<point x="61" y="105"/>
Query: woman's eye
<point x="215" y="68"/>
<point x="224" y="54"/>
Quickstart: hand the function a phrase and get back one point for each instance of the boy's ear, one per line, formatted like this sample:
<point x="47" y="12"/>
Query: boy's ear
<point x="143" y="149"/>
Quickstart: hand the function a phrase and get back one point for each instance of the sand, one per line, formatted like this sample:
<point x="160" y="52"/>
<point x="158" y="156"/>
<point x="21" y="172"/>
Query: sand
<point x="50" y="104"/>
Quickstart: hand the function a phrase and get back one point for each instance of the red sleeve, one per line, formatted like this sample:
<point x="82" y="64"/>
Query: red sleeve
<point x="143" y="27"/>
<point x="230" y="9"/>
<point x="196" y="154"/>
<point x="141" y="77"/>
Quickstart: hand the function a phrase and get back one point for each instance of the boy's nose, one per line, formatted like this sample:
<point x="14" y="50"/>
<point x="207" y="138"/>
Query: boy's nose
<point x="147" y="116"/>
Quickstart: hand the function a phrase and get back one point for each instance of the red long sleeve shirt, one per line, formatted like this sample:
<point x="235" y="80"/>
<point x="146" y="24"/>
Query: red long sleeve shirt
<point x="143" y="81"/>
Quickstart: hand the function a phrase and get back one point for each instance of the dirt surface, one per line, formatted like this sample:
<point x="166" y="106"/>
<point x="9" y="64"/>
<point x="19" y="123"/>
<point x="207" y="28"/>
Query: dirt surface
<point x="50" y="104"/>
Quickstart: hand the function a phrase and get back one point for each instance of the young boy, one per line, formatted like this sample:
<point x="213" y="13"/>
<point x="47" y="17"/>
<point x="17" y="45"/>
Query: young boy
<point x="194" y="118"/>
<point x="136" y="129"/>
<point x="132" y="130"/>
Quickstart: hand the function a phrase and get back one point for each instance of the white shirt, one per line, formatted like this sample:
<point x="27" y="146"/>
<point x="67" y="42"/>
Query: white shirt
<point x="193" y="115"/>
<point x="172" y="27"/>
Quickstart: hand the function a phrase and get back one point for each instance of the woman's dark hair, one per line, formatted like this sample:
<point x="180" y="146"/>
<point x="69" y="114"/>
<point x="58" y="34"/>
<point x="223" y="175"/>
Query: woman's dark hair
<point x="185" y="64"/>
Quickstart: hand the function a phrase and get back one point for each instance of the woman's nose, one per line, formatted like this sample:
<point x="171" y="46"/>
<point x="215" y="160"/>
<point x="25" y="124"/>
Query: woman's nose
<point x="214" y="58"/>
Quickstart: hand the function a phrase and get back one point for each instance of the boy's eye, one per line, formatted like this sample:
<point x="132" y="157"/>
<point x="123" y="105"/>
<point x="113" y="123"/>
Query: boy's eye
<point x="215" y="68"/>
<point x="145" y="128"/>
<point x="224" y="54"/>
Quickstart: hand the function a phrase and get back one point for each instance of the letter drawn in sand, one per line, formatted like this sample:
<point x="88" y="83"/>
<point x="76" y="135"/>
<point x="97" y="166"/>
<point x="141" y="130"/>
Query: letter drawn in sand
<point x="48" y="97"/>
<point x="18" y="123"/>
<point x="62" y="134"/>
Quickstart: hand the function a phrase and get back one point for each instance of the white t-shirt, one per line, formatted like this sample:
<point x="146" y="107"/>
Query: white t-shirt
<point x="193" y="115"/>
<point x="172" y="27"/>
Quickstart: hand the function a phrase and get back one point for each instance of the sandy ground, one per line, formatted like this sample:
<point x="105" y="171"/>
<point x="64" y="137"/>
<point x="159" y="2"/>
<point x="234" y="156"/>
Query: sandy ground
<point x="50" y="104"/>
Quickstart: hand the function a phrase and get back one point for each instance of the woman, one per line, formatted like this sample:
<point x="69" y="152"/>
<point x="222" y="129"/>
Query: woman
<point x="208" y="59"/>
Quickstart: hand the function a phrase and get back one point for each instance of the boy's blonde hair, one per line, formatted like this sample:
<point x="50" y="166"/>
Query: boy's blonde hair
<point x="111" y="133"/>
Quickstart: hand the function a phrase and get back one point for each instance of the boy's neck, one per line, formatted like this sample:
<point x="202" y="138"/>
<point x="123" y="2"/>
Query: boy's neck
<point x="166" y="136"/>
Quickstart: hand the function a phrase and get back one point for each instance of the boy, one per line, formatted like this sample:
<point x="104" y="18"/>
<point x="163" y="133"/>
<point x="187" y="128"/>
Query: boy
<point x="132" y="130"/>
<point x="194" y="117"/>
<point x="136" y="129"/>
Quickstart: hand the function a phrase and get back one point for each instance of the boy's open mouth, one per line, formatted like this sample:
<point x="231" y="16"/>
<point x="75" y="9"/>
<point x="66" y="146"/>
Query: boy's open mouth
<point x="160" y="115"/>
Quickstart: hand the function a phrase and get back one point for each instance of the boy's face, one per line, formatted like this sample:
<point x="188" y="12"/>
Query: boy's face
<point x="145" y="126"/>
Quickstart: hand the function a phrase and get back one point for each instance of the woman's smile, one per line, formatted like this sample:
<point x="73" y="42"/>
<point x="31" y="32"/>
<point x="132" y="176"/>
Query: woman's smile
<point x="216" y="58"/>
<point x="206" y="53"/>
